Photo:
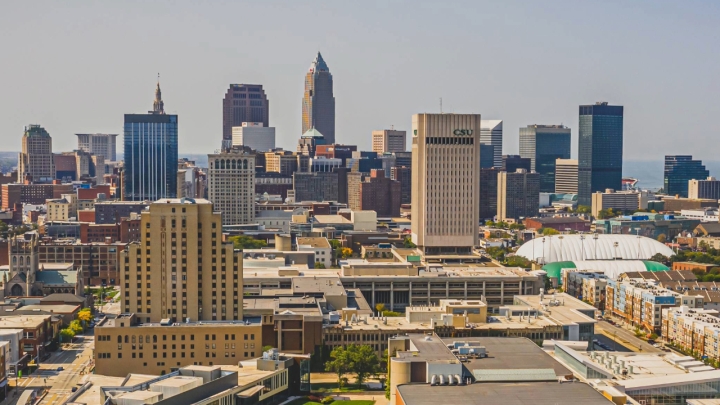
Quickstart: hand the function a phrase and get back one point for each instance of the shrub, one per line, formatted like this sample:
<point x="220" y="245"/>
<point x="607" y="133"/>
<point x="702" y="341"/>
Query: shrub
<point x="328" y="400"/>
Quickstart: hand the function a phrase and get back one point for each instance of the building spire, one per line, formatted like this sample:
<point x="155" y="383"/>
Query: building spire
<point x="158" y="105"/>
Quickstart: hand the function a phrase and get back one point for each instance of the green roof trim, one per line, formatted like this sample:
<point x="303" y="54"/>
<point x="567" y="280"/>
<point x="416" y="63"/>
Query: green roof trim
<point x="555" y="269"/>
<point x="655" y="266"/>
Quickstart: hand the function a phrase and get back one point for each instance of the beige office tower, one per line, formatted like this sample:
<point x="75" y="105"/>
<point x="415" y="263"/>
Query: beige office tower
<point x="231" y="184"/>
<point x="445" y="182"/>
<point x="36" y="161"/>
<point x="566" y="176"/>
<point x="388" y="141"/>
<point x="181" y="269"/>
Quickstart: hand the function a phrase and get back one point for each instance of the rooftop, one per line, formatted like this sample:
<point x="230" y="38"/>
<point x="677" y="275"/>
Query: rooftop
<point x="314" y="242"/>
<point x="21" y="321"/>
<point x="528" y="393"/>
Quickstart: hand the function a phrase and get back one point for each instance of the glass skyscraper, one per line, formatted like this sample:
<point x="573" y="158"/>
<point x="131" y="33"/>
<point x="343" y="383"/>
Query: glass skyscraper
<point x="151" y="153"/>
<point x="600" y="150"/>
<point x="679" y="170"/>
<point x="543" y="145"/>
<point x="318" y="104"/>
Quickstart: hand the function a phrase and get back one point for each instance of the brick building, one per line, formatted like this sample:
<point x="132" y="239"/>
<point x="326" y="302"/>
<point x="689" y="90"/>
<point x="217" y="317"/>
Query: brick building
<point x="376" y="193"/>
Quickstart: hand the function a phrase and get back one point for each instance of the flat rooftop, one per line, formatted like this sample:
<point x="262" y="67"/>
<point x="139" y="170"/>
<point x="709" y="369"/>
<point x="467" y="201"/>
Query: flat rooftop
<point x="320" y="243"/>
<point x="528" y="393"/>
<point x="21" y="321"/>
<point x="563" y="308"/>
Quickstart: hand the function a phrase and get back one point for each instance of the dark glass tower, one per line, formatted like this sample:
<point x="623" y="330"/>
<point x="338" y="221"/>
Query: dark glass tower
<point x="318" y="104"/>
<point x="244" y="103"/>
<point x="151" y="153"/>
<point x="543" y="145"/>
<point x="600" y="150"/>
<point x="679" y="170"/>
<point x="510" y="163"/>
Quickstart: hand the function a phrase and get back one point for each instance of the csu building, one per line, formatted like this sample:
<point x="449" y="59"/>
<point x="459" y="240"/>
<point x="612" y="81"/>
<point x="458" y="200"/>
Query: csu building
<point x="445" y="176"/>
<point x="151" y="153"/>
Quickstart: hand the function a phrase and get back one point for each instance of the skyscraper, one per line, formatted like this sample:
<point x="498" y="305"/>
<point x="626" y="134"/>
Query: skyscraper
<point x="36" y="159"/>
<point x="491" y="133"/>
<point x="510" y="163"/>
<point x="244" y="103"/>
<point x="566" y="176"/>
<point x="445" y="176"/>
<point x="679" y="170"/>
<point x="98" y="144"/>
<point x="518" y="194"/>
<point x="600" y="150"/>
<point x="318" y="104"/>
<point x="388" y="141"/>
<point x="544" y="144"/>
<point x="231" y="184"/>
<point x="169" y="274"/>
<point x="151" y="153"/>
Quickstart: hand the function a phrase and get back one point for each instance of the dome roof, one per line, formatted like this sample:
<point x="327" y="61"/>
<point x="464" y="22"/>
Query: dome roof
<point x="580" y="247"/>
<point x="611" y="268"/>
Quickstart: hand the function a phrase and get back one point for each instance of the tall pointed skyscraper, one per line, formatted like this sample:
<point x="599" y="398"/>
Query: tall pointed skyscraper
<point x="151" y="153"/>
<point x="318" y="105"/>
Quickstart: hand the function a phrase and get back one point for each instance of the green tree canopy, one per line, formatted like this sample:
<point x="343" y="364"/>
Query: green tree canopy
<point x="549" y="232"/>
<point x="339" y="363"/>
<point x="408" y="243"/>
<point x="247" y="242"/>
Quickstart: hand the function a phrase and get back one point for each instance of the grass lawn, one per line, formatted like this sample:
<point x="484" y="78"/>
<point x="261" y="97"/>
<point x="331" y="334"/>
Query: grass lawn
<point x="333" y="387"/>
<point x="302" y="401"/>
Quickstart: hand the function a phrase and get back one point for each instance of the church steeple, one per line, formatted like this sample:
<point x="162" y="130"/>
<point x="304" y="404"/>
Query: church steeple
<point x="158" y="105"/>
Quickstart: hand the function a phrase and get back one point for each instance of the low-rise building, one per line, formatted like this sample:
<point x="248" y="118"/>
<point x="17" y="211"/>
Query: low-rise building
<point x="124" y="345"/>
<point x="625" y="201"/>
<point x="321" y="247"/>
<point x="560" y="224"/>
<point x="693" y="266"/>
<point x="646" y="224"/>
<point x="695" y="330"/>
<point x="586" y="285"/>
<point x="429" y="369"/>
<point x="641" y="303"/>
<point x="38" y="333"/>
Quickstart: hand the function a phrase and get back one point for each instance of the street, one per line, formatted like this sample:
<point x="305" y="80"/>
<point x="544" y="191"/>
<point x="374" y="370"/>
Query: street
<point x="74" y="358"/>
<point x="624" y="337"/>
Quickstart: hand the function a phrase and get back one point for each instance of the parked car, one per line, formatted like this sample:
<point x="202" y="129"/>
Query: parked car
<point x="60" y="369"/>
<point x="657" y="345"/>
<point x="651" y="341"/>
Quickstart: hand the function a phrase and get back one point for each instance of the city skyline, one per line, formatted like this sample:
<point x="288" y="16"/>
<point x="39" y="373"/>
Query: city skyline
<point x="196" y="69"/>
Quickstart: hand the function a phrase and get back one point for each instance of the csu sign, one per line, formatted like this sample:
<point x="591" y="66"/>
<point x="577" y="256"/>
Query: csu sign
<point x="463" y="132"/>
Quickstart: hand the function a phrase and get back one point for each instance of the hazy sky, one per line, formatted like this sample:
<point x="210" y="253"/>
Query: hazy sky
<point x="79" y="66"/>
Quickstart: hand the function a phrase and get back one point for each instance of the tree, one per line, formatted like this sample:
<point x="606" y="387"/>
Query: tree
<point x="344" y="252"/>
<point x="703" y="246"/>
<point x="340" y="363"/>
<point x="662" y="238"/>
<point x="496" y="253"/>
<point x="334" y="243"/>
<point x="247" y="242"/>
<point x="658" y="257"/>
<point x="490" y="223"/>
<point x="76" y="327"/>
<point x="517" y="261"/>
<point x="408" y="243"/>
<point x="85" y="315"/>
<point x="363" y="361"/>
<point x="583" y="209"/>
<point x="550" y="232"/>
<point x="517" y="227"/>
<point x="319" y="265"/>
<point x="380" y="307"/>
<point x="66" y="335"/>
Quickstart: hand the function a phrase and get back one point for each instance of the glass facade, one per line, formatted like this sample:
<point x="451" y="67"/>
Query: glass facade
<point x="151" y="156"/>
<point x="600" y="150"/>
<point x="679" y="170"/>
<point x="543" y="145"/>
<point x="676" y="394"/>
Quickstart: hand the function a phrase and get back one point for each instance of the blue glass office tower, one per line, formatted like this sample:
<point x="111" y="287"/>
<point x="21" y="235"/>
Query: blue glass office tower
<point x="543" y="145"/>
<point x="679" y="170"/>
<point x="600" y="150"/>
<point x="151" y="153"/>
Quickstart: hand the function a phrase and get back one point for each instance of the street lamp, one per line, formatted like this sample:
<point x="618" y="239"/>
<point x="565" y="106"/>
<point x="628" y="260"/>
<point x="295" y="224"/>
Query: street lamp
<point x="615" y="245"/>
<point x="561" y="249"/>
<point x="582" y="247"/>
<point x="595" y="241"/>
